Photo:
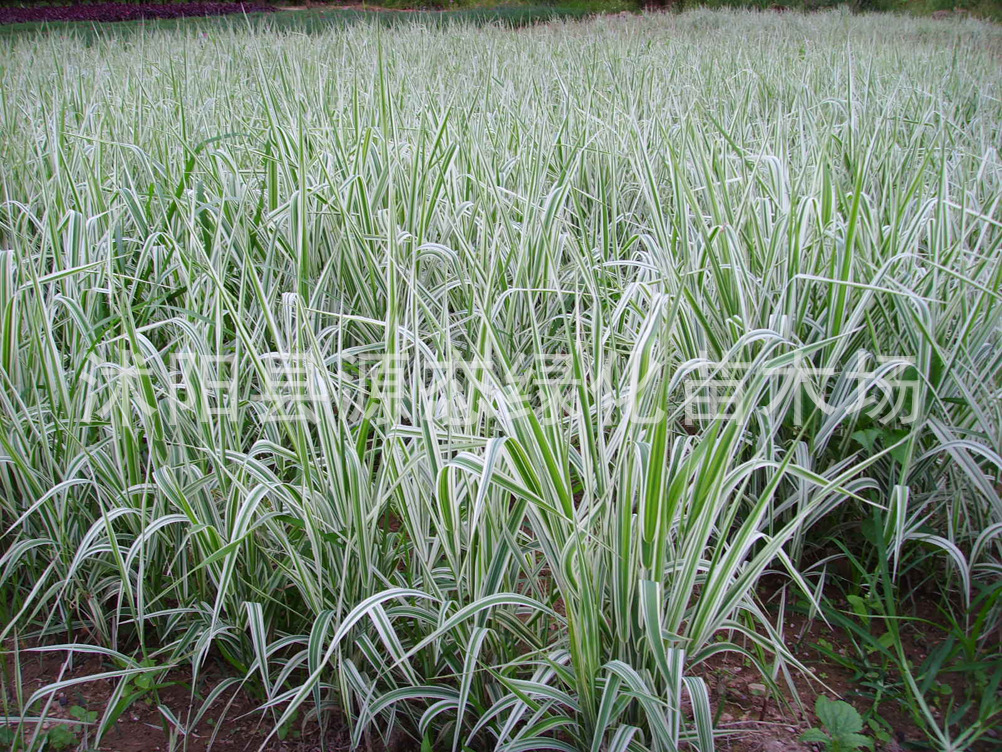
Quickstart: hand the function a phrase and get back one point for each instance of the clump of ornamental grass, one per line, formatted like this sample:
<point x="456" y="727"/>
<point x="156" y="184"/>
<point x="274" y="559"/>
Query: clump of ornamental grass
<point x="471" y="381"/>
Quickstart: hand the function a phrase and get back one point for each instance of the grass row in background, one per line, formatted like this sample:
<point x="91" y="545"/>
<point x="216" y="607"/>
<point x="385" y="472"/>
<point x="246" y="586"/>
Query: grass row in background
<point x="321" y="16"/>
<point x="916" y="6"/>
<point x="981" y="8"/>
<point x="314" y="20"/>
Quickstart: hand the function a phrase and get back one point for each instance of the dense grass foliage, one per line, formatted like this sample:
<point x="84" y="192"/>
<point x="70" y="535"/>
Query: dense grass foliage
<point x="368" y="360"/>
<point x="317" y="20"/>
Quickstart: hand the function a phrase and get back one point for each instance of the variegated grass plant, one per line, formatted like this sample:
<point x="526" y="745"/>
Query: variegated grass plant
<point x="464" y="546"/>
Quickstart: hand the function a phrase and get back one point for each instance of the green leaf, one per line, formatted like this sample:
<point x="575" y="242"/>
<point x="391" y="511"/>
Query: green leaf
<point x="867" y="438"/>
<point x="82" y="714"/>
<point x="144" y="681"/>
<point x="8" y="738"/>
<point x="858" y="606"/>
<point x="840" y="718"/>
<point x="60" y="738"/>
<point x="855" y="741"/>
<point x="815" y="736"/>
<point x="890" y="438"/>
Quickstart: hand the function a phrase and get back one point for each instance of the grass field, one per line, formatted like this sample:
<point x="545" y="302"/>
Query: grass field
<point x="489" y="385"/>
<point x="311" y="21"/>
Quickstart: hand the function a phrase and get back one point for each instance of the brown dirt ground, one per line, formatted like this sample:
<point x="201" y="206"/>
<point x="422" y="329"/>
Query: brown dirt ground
<point x="749" y="721"/>
<point x="231" y="724"/>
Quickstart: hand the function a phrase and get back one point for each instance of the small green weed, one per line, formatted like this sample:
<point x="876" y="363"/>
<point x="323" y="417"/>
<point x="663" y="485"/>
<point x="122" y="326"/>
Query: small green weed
<point x="843" y="725"/>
